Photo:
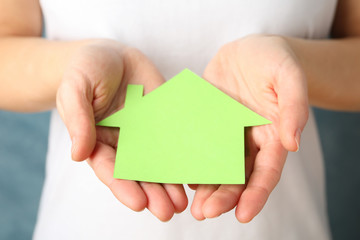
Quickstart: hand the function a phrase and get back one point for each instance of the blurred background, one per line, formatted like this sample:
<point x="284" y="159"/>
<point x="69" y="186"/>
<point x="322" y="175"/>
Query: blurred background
<point x="23" y="144"/>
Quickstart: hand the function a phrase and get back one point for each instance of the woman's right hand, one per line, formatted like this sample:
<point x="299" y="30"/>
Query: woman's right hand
<point x="92" y="88"/>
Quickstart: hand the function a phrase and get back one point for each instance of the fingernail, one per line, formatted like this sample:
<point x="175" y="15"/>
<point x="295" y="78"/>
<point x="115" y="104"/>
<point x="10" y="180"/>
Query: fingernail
<point x="297" y="139"/>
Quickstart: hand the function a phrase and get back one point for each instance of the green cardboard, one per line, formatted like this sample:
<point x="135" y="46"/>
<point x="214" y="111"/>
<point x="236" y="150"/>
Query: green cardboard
<point x="185" y="131"/>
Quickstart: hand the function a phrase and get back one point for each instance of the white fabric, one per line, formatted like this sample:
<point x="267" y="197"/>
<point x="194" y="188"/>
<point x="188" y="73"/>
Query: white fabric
<point x="175" y="35"/>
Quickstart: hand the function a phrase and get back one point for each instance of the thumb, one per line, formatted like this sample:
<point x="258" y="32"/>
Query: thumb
<point x="293" y="105"/>
<point x="74" y="103"/>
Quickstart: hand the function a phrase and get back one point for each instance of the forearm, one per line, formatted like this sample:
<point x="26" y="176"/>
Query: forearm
<point x="332" y="69"/>
<point x="30" y="72"/>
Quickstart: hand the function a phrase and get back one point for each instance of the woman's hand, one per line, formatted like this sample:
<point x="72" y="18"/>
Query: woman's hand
<point x="93" y="87"/>
<point x="263" y="73"/>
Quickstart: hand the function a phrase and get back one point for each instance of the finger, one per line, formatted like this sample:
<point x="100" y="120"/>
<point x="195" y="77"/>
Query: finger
<point x="266" y="174"/>
<point x="159" y="203"/>
<point x="251" y="151"/>
<point x="193" y="186"/>
<point x="203" y="192"/>
<point x="127" y="192"/>
<point x="222" y="200"/>
<point x="108" y="135"/>
<point x="177" y="196"/>
<point x="293" y="104"/>
<point x="74" y="99"/>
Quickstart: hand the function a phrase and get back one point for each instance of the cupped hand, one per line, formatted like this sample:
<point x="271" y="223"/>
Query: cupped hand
<point x="264" y="74"/>
<point x="92" y="88"/>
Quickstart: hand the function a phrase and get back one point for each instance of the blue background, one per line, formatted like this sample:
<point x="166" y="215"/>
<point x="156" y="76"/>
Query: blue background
<point x="23" y="143"/>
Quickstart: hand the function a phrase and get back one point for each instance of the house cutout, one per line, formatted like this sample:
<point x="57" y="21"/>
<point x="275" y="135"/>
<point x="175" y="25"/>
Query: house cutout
<point x="185" y="131"/>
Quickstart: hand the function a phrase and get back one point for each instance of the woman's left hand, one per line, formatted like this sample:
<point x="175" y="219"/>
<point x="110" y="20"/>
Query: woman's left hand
<point x="264" y="74"/>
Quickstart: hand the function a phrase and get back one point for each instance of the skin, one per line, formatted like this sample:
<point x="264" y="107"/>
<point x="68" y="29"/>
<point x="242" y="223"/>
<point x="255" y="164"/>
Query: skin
<point x="260" y="81"/>
<point x="323" y="72"/>
<point x="86" y="79"/>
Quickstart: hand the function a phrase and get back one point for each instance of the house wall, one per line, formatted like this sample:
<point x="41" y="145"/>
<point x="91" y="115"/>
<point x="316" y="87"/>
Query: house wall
<point x="23" y="143"/>
<point x="340" y="137"/>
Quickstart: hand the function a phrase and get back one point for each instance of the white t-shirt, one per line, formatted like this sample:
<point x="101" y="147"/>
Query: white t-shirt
<point x="176" y="35"/>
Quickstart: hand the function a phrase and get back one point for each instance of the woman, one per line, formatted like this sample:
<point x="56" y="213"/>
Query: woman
<point x="87" y="77"/>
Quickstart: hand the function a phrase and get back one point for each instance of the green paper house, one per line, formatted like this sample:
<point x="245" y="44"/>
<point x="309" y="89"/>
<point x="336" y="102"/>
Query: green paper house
<point x="185" y="131"/>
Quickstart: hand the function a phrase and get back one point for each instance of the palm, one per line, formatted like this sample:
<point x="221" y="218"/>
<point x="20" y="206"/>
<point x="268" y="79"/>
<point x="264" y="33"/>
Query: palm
<point x="94" y="87"/>
<point x="250" y="71"/>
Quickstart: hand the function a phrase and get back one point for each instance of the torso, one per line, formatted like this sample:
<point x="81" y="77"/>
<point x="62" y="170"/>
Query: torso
<point x="177" y="35"/>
